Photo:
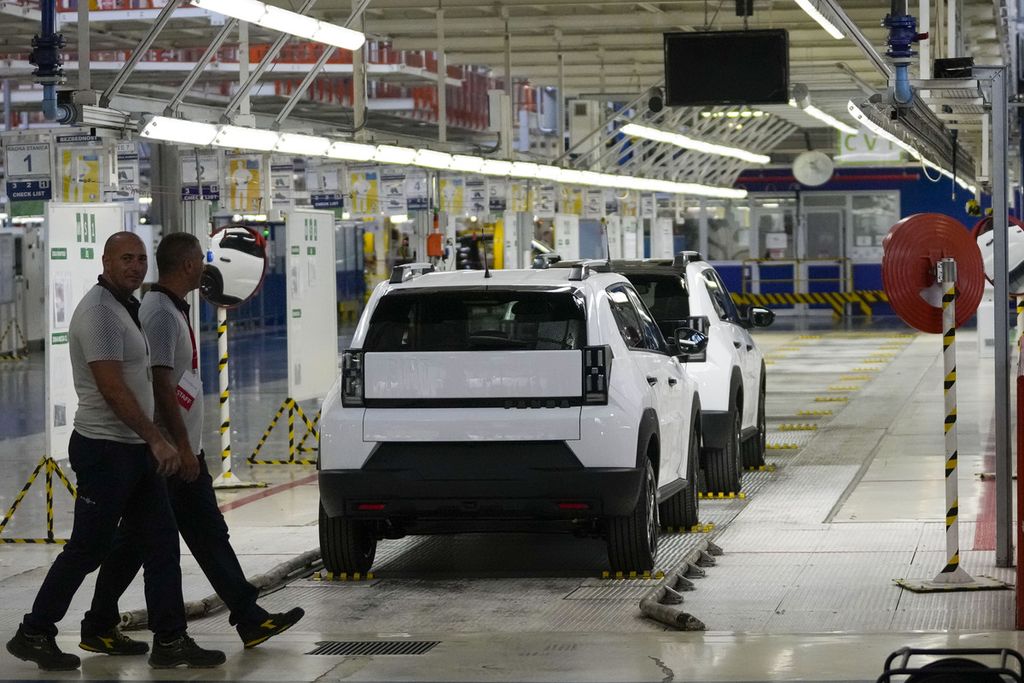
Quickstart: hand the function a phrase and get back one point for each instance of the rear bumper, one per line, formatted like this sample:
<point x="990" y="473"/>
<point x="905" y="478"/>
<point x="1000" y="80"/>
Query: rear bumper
<point x="478" y="481"/>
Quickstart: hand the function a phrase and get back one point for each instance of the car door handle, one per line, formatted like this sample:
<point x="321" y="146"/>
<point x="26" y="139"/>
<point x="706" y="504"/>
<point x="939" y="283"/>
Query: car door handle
<point x="672" y="381"/>
<point x="737" y="344"/>
<point x="652" y="380"/>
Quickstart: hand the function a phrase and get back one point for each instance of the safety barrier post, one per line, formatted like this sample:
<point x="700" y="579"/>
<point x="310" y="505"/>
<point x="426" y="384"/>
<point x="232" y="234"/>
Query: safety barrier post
<point x="51" y="468"/>
<point x="227" y="479"/>
<point x="293" y="409"/>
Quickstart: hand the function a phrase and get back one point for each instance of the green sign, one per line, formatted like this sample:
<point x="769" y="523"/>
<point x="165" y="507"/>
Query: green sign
<point x="59" y="254"/>
<point x="88" y="253"/>
<point x="296" y="312"/>
<point x="295" y="251"/>
<point x="310" y="251"/>
<point x="59" y="338"/>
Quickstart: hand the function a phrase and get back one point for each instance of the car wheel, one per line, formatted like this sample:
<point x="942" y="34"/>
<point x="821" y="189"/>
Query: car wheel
<point x="723" y="466"/>
<point x="680" y="511"/>
<point x="754" y="451"/>
<point x="633" y="538"/>
<point x="347" y="545"/>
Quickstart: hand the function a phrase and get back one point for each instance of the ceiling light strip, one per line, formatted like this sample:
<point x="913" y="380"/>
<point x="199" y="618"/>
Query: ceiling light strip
<point x="237" y="137"/>
<point x="812" y="11"/>
<point x="692" y="144"/>
<point x="813" y="111"/>
<point x="285" y="21"/>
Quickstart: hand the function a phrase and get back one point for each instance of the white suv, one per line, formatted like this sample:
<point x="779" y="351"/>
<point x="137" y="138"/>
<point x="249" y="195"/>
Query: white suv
<point x="508" y="400"/>
<point x="687" y="291"/>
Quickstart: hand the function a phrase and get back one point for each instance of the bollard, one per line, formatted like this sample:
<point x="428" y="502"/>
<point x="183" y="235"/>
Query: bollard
<point x="227" y="479"/>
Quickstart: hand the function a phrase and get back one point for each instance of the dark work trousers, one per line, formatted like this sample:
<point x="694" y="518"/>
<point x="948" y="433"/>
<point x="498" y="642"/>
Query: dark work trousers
<point x="116" y="481"/>
<point x="206" y="534"/>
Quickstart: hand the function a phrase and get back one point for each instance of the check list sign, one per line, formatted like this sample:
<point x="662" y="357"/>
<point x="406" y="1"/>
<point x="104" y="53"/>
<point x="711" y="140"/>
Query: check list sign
<point x="28" y="171"/>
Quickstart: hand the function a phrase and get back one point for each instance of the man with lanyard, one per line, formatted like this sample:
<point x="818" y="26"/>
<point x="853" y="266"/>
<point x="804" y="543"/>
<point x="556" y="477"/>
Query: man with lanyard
<point x="179" y="407"/>
<point x="120" y="458"/>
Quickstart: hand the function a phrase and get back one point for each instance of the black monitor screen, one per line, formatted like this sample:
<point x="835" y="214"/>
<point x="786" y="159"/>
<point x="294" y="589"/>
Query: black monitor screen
<point x="727" y="67"/>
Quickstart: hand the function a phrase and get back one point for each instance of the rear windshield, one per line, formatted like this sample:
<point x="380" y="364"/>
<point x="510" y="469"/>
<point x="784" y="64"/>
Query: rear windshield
<point x="471" y="320"/>
<point x="665" y="298"/>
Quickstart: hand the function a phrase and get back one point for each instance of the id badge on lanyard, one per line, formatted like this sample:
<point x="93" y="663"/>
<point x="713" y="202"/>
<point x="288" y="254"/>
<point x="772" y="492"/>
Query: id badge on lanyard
<point x="189" y="386"/>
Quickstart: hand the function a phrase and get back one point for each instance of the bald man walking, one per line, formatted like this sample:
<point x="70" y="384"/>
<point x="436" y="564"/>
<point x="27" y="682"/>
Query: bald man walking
<point x="120" y="458"/>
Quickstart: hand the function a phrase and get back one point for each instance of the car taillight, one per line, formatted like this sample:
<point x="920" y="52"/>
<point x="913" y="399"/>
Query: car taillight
<point x="597" y="369"/>
<point x="352" y="379"/>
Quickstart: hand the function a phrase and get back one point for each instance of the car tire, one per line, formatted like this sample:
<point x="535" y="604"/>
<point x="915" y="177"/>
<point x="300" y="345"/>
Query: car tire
<point x="723" y="466"/>
<point x="347" y="545"/>
<point x="756" y="447"/>
<point x="633" y="538"/>
<point x="680" y="512"/>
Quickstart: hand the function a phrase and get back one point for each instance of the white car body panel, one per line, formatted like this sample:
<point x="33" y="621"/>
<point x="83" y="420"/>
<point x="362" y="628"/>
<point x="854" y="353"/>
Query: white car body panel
<point x="472" y="424"/>
<point x="474" y="374"/>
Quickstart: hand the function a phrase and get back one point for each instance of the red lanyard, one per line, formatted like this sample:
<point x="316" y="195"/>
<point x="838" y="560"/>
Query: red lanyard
<point x="192" y="338"/>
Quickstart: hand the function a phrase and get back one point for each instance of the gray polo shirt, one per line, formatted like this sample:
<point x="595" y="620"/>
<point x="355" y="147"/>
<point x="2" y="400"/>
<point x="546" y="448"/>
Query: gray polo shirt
<point x="170" y="346"/>
<point x="103" y="329"/>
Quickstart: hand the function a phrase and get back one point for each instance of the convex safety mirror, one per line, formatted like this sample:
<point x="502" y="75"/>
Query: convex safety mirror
<point x="235" y="264"/>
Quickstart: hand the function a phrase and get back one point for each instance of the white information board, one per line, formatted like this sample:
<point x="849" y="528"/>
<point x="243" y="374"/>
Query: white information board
<point x="632" y="238"/>
<point x="567" y="236"/>
<point x="75" y="235"/>
<point x="613" y="225"/>
<point x="661" y="238"/>
<point x="312" y="302"/>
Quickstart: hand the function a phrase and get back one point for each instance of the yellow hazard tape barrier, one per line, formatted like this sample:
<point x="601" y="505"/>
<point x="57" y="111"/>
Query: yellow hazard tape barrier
<point x="762" y="468"/>
<point x="802" y="413"/>
<point x="646" y="574"/>
<point x="293" y="409"/>
<point x="864" y="299"/>
<point x="343" y="576"/>
<point x="51" y="469"/>
<point x="783" y="446"/>
<point x="721" y="495"/>
<point x="797" y="427"/>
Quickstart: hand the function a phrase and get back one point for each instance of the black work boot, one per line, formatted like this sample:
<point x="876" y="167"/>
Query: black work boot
<point x="183" y="650"/>
<point x="112" y="642"/>
<point x="42" y="650"/>
<point x="254" y="633"/>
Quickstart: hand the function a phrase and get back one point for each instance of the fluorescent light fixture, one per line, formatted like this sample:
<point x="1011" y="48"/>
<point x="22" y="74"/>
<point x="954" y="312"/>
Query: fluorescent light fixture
<point x="465" y="163"/>
<point x="811" y="110"/>
<point x="239" y="137"/>
<point x="695" y="145"/>
<point x="549" y="173"/>
<point x="285" y="21"/>
<point x="908" y="148"/>
<point x="571" y="176"/>
<point x="302" y="145"/>
<point x="429" y="158"/>
<point x="873" y="127"/>
<point x="389" y="154"/>
<point x="810" y="7"/>
<point x="179" y="130"/>
<point x="351" y="151"/>
<point x="399" y="218"/>
<point x="145" y="201"/>
<point x="496" y="167"/>
<point x="524" y="169"/>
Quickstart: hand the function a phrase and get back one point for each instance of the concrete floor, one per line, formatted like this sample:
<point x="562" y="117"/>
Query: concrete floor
<point x="803" y="590"/>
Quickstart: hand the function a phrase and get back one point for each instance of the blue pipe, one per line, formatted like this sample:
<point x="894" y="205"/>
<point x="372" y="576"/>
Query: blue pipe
<point x="903" y="92"/>
<point x="46" y="57"/>
<point x="902" y="34"/>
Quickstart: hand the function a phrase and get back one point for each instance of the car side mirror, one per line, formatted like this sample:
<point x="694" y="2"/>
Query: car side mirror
<point x="760" y="317"/>
<point x="691" y="344"/>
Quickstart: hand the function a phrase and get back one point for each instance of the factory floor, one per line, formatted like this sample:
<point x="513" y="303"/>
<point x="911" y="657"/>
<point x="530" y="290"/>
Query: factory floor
<point x="852" y="499"/>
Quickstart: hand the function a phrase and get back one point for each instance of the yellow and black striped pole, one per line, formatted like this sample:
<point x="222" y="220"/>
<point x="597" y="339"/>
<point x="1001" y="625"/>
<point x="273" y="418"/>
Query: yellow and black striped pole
<point x="946" y="276"/>
<point x="1020" y="316"/>
<point x="227" y="478"/>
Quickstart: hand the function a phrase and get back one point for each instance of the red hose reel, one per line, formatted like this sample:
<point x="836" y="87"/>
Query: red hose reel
<point x="909" y="254"/>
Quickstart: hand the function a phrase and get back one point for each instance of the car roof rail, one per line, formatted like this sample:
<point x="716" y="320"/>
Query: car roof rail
<point x="586" y="268"/>
<point x="407" y="271"/>
<point x="684" y="258"/>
